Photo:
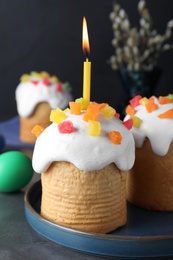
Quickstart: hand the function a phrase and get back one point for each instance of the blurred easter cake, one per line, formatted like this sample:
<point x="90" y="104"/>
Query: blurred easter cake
<point x="36" y="94"/>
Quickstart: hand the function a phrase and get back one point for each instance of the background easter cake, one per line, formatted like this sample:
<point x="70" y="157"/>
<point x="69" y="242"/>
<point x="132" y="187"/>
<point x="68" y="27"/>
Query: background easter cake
<point x="36" y="95"/>
<point x="150" y="182"/>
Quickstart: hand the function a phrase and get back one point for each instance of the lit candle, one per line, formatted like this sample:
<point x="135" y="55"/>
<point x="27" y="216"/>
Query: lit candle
<point x="87" y="66"/>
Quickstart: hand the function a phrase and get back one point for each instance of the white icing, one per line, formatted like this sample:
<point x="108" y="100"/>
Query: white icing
<point x="158" y="131"/>
<point x="29" y="95"/>
<point x="84" y="151"/>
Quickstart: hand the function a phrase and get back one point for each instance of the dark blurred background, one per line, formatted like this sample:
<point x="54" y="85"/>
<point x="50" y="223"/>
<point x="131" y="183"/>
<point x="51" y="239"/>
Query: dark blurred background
<point x="46" y="35"/>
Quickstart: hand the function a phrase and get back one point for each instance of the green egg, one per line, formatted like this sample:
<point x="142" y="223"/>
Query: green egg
<point x="15" y="171"/>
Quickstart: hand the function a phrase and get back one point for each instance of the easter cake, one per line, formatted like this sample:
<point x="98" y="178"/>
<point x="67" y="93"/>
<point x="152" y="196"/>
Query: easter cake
<point x="83" y="158"/>
<point x="150" y="181"/>
<point x="36" y="95"/>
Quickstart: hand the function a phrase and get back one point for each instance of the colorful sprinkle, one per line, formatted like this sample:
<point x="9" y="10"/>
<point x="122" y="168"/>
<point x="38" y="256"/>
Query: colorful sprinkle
<point x="134" y="102"/>
<point x="90" y="114"/>
<point x="59" y="87"/>
<point x="108" y="111"/>
<point x="128" y="123"/>
<point x="44" y="74"/>
<point x="94" y="128"/>
<point x="67" y="85"/>
<point x="136" y="121"/>
<point x="115" y="137"/>
<point x="130" y="110"/>
<point x="37" y="130"/>
<point x="167" y="114"/>
<point x="33" y="73"/>
<point x="24" y="78"/>
<point x="82" y="102"/>
<point x="117" y="115"/>
<point x="143" y="101"/>
<point x="151" y="105"/>
<point x="54" y="79"/>
<point x="66" y="127"/>
<point x="66" y="110"/>
<point x="57" y="116"/>
<point x="46" y="82"/>
<point x="164" y="100"/>
<point x="170" y="96"/>
<point x="35" y="82"/>
<point x="75" y="108"/>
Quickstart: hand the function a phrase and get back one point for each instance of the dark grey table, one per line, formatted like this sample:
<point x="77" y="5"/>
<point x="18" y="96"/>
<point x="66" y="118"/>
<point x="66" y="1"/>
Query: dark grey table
<point x="18" y="241"/>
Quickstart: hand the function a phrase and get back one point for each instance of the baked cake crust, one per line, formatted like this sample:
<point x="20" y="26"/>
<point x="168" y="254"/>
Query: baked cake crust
<point x="39" y="116"/>
<point x="88" y="201"/>
<point x="150" y="181"/>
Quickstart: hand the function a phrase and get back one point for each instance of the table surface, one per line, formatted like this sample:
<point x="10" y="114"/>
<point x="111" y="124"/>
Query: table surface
<point x="19" y="241"/>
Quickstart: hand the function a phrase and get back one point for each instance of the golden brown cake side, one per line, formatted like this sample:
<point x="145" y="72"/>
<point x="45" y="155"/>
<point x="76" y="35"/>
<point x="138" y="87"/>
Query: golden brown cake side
<point x="89" y="201"/>
<point x="40" y="116"/>
<point x="150" y="182"/>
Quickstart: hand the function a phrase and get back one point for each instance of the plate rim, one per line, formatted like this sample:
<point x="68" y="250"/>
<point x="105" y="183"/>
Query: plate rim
<point x="163" y="243"/>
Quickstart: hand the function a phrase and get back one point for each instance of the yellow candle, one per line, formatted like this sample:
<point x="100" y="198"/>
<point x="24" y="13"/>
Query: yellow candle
<point x="86" y="67"/>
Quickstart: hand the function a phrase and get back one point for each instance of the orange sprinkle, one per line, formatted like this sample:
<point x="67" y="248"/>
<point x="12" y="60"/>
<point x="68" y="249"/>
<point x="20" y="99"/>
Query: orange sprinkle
<point x="167" y="114"/>
<point x="115" y="137"/>
<point x="130" y="110"/>
<point x="164" y="100"/>
<point x="96" y="106"/>
<point x="90" y="114"/>
<point x="37" y="130"/>
<point x="152" y="98"/>
<point x="75" y="108"/>
<point x="151" y="106"/>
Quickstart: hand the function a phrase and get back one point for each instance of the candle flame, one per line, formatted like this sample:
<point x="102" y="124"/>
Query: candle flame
<point x="85" y="39"/>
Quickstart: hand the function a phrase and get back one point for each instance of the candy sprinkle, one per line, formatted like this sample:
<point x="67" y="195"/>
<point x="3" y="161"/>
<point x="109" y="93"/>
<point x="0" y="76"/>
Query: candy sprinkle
<point x="94" y="128"/>
<point x="164" y="100"/>
<point x="143" y="101"/>
<point x="108" y="111"/>
<point x="128" y="123"/>
<point x="37" y="130"/>
<point x="24" y="78"/>
<point x="66" y="127"/>
<point x="46" y="82"/>
<point x="151" y="105"/>
<point x="134" y="102"/>
<point x="75" y="108"/>
<point x="136" y="121"/>
<point x="167" y="114"/>
<point x="59" y="87"/>
<point x="130" y="110"/>
<point x="57" y="116"/>
<point x="115" y="137"/>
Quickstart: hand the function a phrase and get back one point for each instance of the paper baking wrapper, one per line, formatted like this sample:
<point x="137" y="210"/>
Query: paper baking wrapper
<point x="40" y="116"/>
<point x="150" y="182"/>
<point x="88" y="201"/>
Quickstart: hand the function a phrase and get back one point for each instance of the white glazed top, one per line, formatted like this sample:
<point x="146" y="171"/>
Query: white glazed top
<point x="158" y="131"/>
<point x="84" y="151"/>
<point x="33" y="91"/>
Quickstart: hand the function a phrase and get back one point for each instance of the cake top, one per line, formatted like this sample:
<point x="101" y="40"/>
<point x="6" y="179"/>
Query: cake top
<point x="89" y="139"/>
<point x="35" y="88"/>
<point x="153" y="119"/>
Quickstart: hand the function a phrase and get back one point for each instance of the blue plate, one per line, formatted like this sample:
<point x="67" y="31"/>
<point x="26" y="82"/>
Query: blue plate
<point x="147" y="233"/>
<point x="10" y="131"/>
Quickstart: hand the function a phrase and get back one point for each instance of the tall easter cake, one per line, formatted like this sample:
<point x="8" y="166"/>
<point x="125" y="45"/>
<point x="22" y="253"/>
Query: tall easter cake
<point x="150" y="182"/>
<point x="36" y="95"/>
<point x="83" y="157"/>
